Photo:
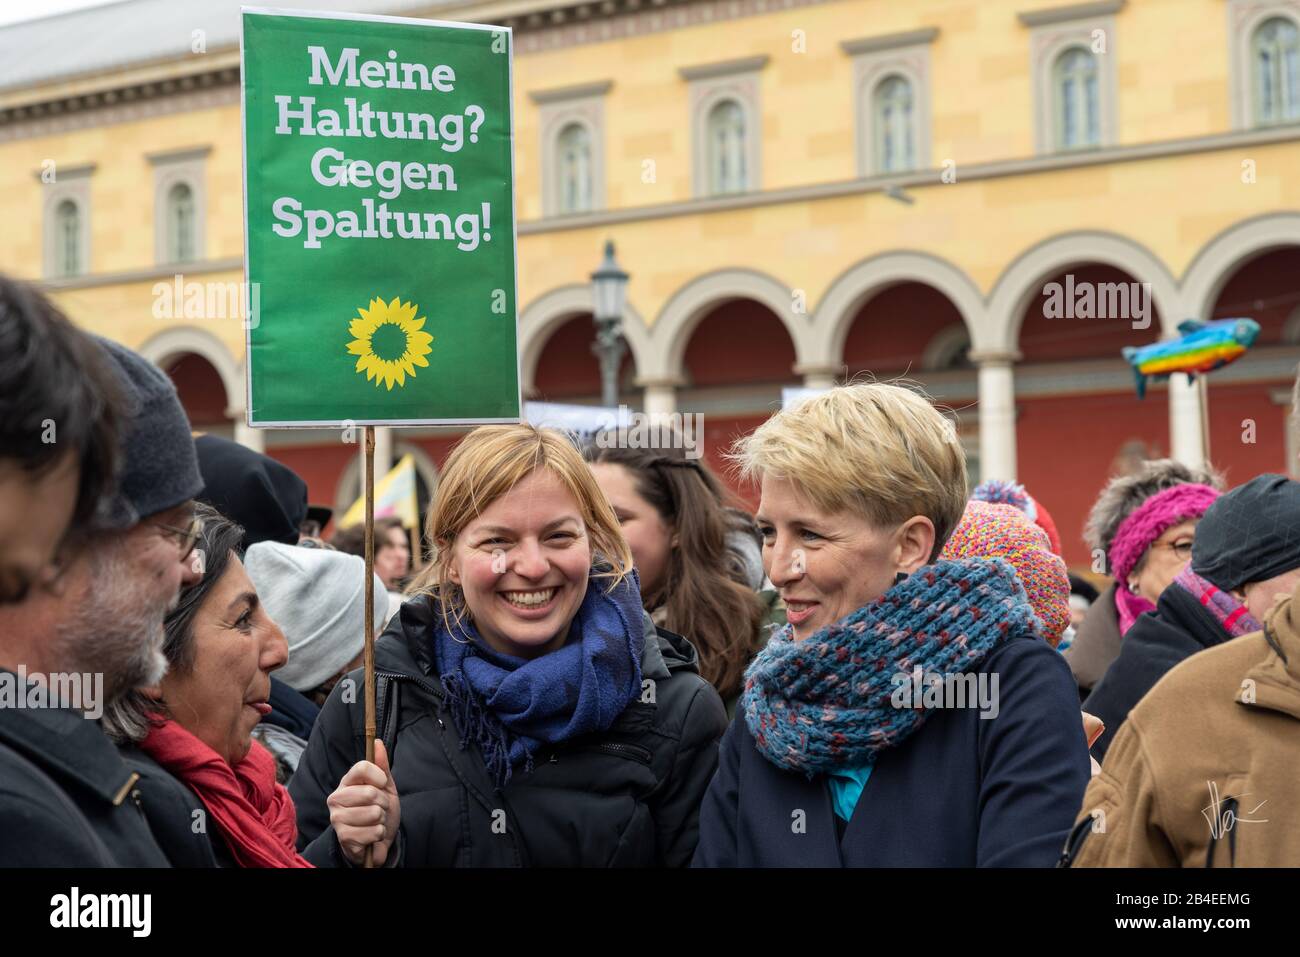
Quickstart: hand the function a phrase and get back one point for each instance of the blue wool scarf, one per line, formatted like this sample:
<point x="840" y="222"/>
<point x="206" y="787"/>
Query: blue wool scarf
<point x="824" y="704"/>
<point x="511" y="706"/>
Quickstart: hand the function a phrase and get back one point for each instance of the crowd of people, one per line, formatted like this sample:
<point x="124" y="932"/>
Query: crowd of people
<point x="606" y="661"/>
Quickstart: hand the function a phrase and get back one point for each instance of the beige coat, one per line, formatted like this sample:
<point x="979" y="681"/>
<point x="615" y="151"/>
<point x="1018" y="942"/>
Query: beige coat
<point x="1209" y="759"/>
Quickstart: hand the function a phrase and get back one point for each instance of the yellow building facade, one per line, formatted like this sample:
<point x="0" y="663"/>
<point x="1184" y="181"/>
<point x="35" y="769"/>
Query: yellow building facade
<point x="1181" y="171"/>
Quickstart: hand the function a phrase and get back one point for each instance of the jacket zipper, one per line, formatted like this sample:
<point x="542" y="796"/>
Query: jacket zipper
<point x="521" y="853"/>
<point x="830" y="810"/>
<point x="436" y="692"/>
<point x="520" y="849"/>
<point x="631" y="751"/>
<point x="628" y="750"/>
<point x="1075" y="842"/>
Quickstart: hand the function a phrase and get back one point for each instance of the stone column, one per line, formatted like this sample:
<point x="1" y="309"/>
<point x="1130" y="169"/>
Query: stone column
<point x="819" y="377"/>
<point x="997" y="413"/>
<point x="660" y="397"/>
<point x="1186" y="436"/>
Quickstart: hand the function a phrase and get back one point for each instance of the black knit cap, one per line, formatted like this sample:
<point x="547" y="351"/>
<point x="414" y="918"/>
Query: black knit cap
<point x="263" y="495"/>
<point x="157" y="467"/>
<point x="1250" y="534"/>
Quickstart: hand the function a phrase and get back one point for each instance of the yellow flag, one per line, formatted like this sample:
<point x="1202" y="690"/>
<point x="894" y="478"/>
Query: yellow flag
<point x="394" y="495"/>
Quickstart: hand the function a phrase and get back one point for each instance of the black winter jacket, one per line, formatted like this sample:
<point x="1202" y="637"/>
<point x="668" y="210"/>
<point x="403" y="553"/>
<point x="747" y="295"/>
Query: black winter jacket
<point x="177" y="818"/>
<point x="1097" y="644"/>
<point x="1158" y="640"/>
<point x="67" y="799"/>
<point x="627" y="797"/>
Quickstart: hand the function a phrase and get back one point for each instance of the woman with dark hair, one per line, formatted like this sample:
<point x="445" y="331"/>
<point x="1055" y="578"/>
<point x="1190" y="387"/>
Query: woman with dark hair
<point x="195" y="726"/>
<point x="692" y="553"/>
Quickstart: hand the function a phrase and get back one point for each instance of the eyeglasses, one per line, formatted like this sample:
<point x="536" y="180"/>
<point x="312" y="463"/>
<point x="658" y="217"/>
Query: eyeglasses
<point x="1182" y="549"/>
<point x="187" y="538"/>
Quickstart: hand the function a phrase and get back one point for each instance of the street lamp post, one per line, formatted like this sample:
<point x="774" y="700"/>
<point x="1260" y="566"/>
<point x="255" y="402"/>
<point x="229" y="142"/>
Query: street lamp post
<point x="609" y="292"/>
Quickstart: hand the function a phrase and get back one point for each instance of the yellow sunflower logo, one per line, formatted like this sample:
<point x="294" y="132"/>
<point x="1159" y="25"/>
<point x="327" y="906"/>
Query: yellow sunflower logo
<point x="389" y="341"/>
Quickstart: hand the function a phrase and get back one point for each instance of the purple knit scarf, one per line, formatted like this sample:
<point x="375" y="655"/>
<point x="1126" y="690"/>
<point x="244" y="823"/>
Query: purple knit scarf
<point x="1232" y="616"/>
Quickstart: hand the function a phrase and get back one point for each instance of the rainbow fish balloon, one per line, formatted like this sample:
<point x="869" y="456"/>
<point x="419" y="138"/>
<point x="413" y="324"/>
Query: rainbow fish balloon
<point x="1202" y="347"/>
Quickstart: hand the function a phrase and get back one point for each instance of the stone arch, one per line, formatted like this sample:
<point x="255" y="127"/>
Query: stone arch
<point x="1023" y="278"/>
<point x="683" y="312"/>
<point x="186" y="339"/>
<point x="1217" y="261"/>
<point x="840" y="305"/>
<point x="551" y="310"/>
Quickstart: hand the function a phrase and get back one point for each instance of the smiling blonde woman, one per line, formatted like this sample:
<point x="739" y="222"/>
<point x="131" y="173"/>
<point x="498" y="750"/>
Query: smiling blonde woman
<point x="533" y="713"/>
<point x="844" y="753"/>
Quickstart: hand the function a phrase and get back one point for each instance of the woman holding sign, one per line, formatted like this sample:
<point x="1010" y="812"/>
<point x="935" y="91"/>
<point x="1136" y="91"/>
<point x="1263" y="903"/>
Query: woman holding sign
<point x="531" y="713"/>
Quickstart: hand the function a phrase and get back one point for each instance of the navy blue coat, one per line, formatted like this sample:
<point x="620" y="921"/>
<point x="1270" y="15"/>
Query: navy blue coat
<point x="1178" y="628"/>
<point x="961" y="791"/>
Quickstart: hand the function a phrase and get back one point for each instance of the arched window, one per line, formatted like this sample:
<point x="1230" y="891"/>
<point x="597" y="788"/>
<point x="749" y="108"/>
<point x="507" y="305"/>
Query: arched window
<point x="892" y="105"/>
<point x="1078" y="107"/>
<point x="726" y="139"/>
<point x="574" y="164"/>
<point x="181" y="245"/>
<point x="1275" y="57"/>
<point x="67" y="239"/>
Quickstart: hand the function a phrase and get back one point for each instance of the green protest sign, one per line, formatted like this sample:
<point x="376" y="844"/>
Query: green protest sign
<point x="379" y="223"/>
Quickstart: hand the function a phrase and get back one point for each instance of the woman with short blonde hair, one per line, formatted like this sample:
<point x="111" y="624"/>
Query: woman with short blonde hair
<point x="879" y="450"/>
<point x="533" y="714"/>
<point x="910" y="714"/>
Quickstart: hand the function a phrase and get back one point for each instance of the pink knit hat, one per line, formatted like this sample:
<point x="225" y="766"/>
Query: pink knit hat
<point x="1013" y="493"/>
<point x="994" y="530"/>
<point x="1139" y="531"/>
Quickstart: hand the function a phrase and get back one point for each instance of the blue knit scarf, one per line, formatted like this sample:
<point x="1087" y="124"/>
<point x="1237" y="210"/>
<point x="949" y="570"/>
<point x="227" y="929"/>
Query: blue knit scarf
<point x="824" y="703"/>
<point x="511" y="706"/>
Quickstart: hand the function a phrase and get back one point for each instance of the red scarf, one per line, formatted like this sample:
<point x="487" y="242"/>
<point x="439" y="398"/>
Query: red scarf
<point x="253" y="812"/>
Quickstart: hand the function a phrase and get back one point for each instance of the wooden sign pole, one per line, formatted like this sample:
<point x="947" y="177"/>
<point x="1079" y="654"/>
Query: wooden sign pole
<point x="370" y="608"/>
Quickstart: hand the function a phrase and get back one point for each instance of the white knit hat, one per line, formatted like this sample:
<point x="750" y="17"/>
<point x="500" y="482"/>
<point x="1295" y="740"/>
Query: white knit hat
<point x="315" y="596"/>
